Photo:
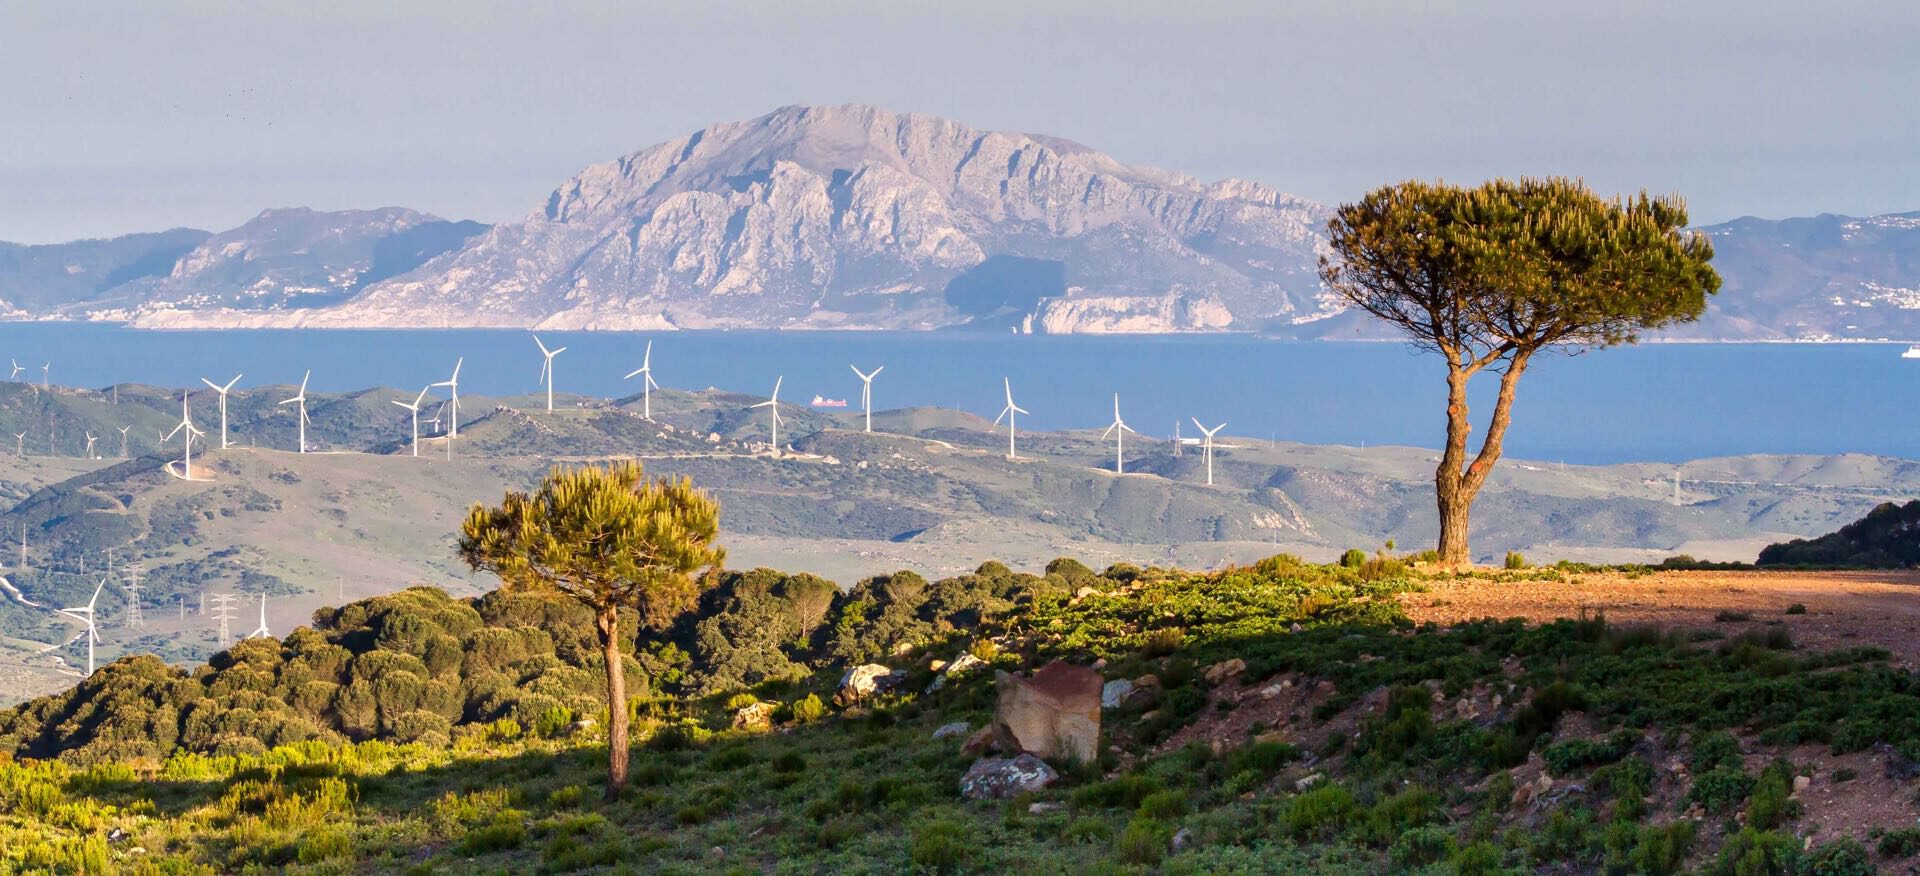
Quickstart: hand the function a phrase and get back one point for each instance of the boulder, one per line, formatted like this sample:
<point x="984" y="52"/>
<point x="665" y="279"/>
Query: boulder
<point x="1043" y="808"/>
<point x="1000" y="778"/>
<point x="757" y="717"/>
<point x="979" y="743"/>
<point x="1225" y="670"/>
<point x="956" y="728"/>
<point x="1054" y="714"/>
<point x="960" y="666"/>
<point x="1114" y="693"/>
<point x="864" y="681"/>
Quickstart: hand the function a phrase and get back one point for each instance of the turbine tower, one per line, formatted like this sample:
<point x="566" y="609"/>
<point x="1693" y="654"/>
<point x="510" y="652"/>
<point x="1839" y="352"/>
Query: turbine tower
<point x="866" y="392"/>
<point x="261" y="631"/>
<point x="1206" y="446"/>
<point x="546" y="369"/>
<point x="1118" y="430"/>
<point x="415" y="408"/>
<point x="20" y="444"/>
<point x="85" y="613"/>
<point x="222" y="390"/>
<point x="1007" y="413"/>
<point x="44" y="371"/>
<point x="646" y="386"/>
<point x="301" y="400"/>
<point x="186" y="422"/>
<point x="453" y="403"/>
<point x="123" y="440"/>
<point x="89" y="451"/>
<point x="773" y="404"/>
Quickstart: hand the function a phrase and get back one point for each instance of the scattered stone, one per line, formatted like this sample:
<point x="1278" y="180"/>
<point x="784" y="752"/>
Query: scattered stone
<point x="1044" y="808"/>
<point x="956" y="728"/>
<point x="1085" y="592"/>
<point x="1308" y="781"/>
<point x="979" y="743"/>
<point x="959" y="666"/>
<point x="757" y="717"/>
<point x="1055" y="713"/>
<point x="117" y="836"/>
<point x="1114" y="693"/>
<point x="1099" y="664"/>
<point x="1148" y="680"/>
<point x="1225" y="670"/>
<point x="1800" y="783"/>
<point x="1542" y="784"/>
<point x="864" y="681"/>
<point x="1295" y="627"/>
<point x="581" y="726"/>
<point x="999" y="778"/>
<point x="937" y="665"/>
<point x="1522" y="796"/>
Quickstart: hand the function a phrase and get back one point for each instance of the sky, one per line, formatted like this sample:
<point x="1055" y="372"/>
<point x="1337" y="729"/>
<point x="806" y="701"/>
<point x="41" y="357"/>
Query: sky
<point x="122" y="117"/>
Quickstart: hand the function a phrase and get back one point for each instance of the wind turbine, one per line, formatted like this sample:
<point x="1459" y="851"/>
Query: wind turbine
<point x="85" y="613"/>
<point x="1206" y="446"/>
<point x="546" y="369"/>
<point x="415" y="408"/>
<point x="223" y="405"/>
<point x="89" y="452"/>
<point x="773" y="404"/>
<point x="866" y="392"/>
<point x="123" y="440"/>
<point x="1007" y="413"/>
<point x="16" y="370"/>
<point x="20" y="444"/>
<point x="261" y="632"/>
<point x="453" y="403"/>
<point x="301" y="400"/>
<point x="44" y="371"/>
<point x="1118" y="430"/>
<point x="186" y="422"/>
<point x="646" y="386"/>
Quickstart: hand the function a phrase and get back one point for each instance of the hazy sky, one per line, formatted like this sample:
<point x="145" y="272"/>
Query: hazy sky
<point x="127" y="116"/>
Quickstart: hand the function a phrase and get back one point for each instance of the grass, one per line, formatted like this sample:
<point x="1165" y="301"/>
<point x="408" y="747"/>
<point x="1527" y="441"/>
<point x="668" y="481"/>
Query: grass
<point x="867" y="789"/>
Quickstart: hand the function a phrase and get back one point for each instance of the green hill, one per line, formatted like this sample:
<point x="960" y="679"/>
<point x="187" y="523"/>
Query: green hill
<point x="1294" y="722"/>
<point x="1887" y="538"/>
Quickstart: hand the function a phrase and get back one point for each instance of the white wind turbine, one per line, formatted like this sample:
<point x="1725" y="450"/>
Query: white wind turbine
<point x="85" y="614"/>
<point x="20" y="444"/>
<point x="222" y="390"/>
<point x="123" y="440"/>
<point x="1206" y="446"/>
<point x="186" y="422"/>
<point x="301" y="400"/>
<point x="44" y="371"/>
<point x="89" y="451"/>
<point x="453" y="403"/>
<point x="261" y="631"/>
<point x="1118" y="430"/>
<point x="866" y="392"/>
<point x="414" y="407"/>
<point x="16" y="370"/>
<point x="773" y="404"/>
<point x="647" y="386"/>
<point x="546" y="369"/>
<point x="1007" y="413"/>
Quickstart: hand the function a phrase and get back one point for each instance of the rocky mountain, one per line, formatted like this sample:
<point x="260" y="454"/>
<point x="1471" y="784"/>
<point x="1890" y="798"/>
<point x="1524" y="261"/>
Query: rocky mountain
<point x="69" y="278"/>
<point x="1819" y="278"/>
<point x="853" y="216"/>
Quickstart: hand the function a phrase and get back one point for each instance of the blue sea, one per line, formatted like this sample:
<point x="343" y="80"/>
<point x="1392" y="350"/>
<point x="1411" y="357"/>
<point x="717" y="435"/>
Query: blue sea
<point x="1655" y="402"/>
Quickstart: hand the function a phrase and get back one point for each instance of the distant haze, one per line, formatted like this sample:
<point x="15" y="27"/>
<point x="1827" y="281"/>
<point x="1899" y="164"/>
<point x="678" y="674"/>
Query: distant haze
<point x="125" y="117"/>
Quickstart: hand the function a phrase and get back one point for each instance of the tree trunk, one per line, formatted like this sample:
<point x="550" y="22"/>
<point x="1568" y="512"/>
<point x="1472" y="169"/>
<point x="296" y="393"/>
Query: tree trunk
<point x="608" y="624"/>
<point x="1456" y="486"/>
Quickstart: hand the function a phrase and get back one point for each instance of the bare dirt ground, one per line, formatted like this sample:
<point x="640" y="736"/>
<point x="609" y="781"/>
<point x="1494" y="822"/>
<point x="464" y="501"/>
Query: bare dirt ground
<point x="1843" y="609"/>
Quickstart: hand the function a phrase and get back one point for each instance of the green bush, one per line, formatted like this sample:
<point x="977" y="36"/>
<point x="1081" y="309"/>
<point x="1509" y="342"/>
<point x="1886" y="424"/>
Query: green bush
<point x="1319" y="813"/>
<point x="1840" y="857"/>
<point x="1144" y="842"/>
<point x="809" y="709"/>
<point x="1419" y="847"/>
<point x="1770" y="803"/>
<point x="1901" y="842"/>
<point x="1164" y="805"/>
<point x="940" y="846"/>
<point x="1720" y="790"/>
<point x="1516" y="560"/>
<point x="1752" y="852"/>
<point x="1353" y="558"/>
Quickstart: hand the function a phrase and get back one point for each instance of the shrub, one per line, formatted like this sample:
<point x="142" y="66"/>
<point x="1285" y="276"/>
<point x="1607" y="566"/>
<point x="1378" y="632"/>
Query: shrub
<point x="1901" y="842"/>
<point x="940" y="846"/>
<point x="505" y="833"/>
<point x="1516" y="560"/>
<point x="809" y="709"/>
<point x="1715" y="750"/>
<point x="1479" y="859"/>
<point x="1319" y="813"/>
<point x="1163" y="641"/>
<point x="1569" y="757"/>
<point x="1841" y="857"/>
<point x="1770" y="803"/>
<point x="1419" y="847"/>
<point x="1663" y="850"/>
<point x="1720" y="790"/>
<point x="1729" y="616"/>
<point x="1757" y="853"/>
<point x="1164" y="805"/>
<point x="1797" y="608"/>
<point x="1353" y="558"/>
<point x="1144" y="842"/>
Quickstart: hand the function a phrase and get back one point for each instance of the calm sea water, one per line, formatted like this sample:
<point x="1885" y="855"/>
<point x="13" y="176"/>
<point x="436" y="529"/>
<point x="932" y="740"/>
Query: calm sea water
<point x="1656" y="402"/>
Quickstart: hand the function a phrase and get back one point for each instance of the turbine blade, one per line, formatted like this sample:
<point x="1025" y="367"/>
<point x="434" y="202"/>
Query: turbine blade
<point x="640" y="370"/>
<point x="543" y="347"/>
<point x="215" y="386"/>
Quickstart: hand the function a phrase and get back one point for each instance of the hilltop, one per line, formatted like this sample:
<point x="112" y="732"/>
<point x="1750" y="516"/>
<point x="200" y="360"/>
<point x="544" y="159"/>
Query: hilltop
<point x="1278" y="718"/>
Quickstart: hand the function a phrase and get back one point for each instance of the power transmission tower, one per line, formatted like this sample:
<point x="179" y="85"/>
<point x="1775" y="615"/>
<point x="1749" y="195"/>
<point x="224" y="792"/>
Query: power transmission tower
<point x="135" y="618"/>
<point x="223" y="612"/>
